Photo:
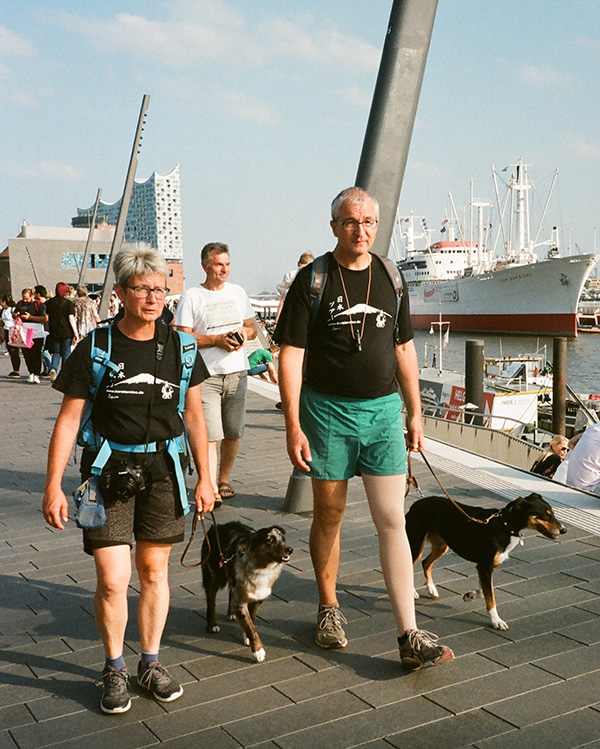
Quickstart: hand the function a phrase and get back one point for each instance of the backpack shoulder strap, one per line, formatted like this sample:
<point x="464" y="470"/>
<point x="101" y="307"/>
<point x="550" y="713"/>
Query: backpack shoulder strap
<point x="395" y="278"/>
<point x="100" y="363"/>
<point x="188" y="350"/>
<point x="318" y="279"/>
<point x="393" y="272"/>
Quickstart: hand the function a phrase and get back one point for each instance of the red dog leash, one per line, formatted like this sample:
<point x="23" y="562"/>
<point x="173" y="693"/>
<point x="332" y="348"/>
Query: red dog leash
<point x="412" y="481"/>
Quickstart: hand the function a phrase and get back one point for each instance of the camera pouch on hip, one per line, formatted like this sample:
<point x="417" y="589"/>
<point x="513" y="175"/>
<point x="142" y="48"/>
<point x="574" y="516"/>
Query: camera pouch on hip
<point x="89" y="505"/>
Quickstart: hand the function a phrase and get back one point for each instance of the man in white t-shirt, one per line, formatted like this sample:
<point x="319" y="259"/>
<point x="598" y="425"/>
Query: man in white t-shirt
<point x="220" y="317"/>
<point x="584" y="463"/>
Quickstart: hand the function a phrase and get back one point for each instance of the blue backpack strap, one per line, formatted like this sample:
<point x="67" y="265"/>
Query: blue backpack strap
<point x="100" y="363"/>
<point x="318" y="279"/>
<point x="188" y="349"/>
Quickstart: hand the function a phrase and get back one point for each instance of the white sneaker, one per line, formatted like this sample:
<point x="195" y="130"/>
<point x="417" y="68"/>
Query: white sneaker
<point x="30" y="378"/>
<point x="52" y="375"/>
<point x="36" y="379"/>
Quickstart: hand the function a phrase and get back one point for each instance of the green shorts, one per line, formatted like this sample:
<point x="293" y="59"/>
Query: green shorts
<point x="349" y="436"/>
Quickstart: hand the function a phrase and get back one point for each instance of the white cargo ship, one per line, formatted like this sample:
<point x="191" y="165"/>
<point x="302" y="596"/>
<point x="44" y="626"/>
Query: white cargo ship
<point x="477" y="291"/>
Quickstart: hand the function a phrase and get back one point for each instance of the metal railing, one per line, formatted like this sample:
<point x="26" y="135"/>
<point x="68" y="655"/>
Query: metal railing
<point x="481" y="440"/>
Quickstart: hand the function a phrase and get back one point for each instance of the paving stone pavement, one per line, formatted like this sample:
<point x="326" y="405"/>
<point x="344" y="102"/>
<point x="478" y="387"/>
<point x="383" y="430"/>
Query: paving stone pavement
<point x="535" y="684"/>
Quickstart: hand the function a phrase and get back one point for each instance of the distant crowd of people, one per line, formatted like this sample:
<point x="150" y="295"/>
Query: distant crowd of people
<point x="44" y="328"/>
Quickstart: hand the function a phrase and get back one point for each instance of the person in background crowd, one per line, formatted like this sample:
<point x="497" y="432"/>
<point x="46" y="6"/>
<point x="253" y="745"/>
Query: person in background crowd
<point x="547" y="464"/>
<point x="32" y="313"/>
<point x="262" y="363"/>
<point x="113" y="305"/>
<point x="221" y="318"/>
<point x="8" y="306"/>
<point x="62" y="327"/>
<point x="86" y="314"/>
<point x="583" y="470"/>
<point x="283" y="288"/>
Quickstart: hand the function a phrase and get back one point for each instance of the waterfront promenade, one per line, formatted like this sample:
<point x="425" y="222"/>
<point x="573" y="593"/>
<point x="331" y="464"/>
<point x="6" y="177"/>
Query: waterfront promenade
<point x="538" y="683"/>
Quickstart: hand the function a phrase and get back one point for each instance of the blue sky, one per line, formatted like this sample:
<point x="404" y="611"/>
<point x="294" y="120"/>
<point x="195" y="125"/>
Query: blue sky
<point x="265" y="105"/>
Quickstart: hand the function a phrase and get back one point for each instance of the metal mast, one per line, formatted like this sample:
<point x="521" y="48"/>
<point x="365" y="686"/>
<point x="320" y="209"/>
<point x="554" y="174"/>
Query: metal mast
<point x="88" y="244"/>
<point x="394" y="107"/>
<point x="109" y="279"/>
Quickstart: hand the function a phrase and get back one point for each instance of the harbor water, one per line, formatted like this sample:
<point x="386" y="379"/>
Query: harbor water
<point x="583" y="353"/>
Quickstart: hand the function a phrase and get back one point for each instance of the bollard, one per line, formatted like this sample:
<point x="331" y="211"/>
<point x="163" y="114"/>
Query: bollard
<point x="474" y="380"/>
<point x="299" y="496"/>
<point x="559" y="385"/>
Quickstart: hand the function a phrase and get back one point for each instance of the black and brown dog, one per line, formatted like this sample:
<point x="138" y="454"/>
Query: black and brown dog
<point x="252" y="561"/>
<point x="486" y="544"/>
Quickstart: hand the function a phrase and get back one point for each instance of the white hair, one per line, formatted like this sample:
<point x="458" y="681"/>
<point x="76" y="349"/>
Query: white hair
<point x="138" y="259"/>
<point x="354" y="196"/>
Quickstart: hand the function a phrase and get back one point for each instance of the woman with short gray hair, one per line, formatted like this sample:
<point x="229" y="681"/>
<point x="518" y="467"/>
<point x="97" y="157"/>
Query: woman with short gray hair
<point x="137" y="422"/>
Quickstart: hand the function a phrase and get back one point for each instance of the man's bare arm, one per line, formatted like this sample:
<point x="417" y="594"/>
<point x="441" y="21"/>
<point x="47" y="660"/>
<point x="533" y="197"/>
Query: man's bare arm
<point x="291" y="359"/>
<point x="407" y="374"/>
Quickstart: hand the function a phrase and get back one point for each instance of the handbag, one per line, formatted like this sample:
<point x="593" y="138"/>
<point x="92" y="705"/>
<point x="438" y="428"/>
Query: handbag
<point x="89" y="505"/>
<point x="20" y="336"/>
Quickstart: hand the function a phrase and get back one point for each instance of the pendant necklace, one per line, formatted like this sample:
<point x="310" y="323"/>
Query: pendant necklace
<point x="358" y="334"/>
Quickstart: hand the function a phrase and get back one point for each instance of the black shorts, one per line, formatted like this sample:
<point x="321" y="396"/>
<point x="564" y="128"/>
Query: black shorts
<point x="154" y="514"/>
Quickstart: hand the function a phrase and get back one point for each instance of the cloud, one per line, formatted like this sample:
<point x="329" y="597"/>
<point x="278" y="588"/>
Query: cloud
<point x="586" y="41"/>
<point x="23" y="72"/>
<point x="355" y="96"/>
<point x="211" y="31"/>
<point x="585" y="148"/>
<point x="544" y="75"/>
<point x="323" y="47"/>
<point x="232" y="102"/>
<point x="428" y="173"/>
<point x="46" y="170"/>
<point x="13" y="45"/>
<point x="19" y="93"/>
<point x="245" y="107"/>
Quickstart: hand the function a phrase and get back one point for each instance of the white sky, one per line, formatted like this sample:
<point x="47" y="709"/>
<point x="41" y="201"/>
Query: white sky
<point x="265" y="105"/>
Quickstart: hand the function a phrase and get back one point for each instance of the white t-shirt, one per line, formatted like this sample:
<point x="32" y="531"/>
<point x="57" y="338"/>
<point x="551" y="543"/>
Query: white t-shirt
<point x="7" y="317"/>
<point x="584" y="462"/>
<point x="284" y="286"/>
<point x="211" y="312"/>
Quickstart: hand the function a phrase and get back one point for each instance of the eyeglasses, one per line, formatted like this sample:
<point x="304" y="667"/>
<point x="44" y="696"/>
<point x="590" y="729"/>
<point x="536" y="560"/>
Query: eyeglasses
<point x="143" y="292"/>
<point x="351" y="225"/>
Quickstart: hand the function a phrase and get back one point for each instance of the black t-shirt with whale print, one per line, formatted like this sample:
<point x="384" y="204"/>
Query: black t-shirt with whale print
<point x="333" y="362"/>
<point x="122" y="410"/>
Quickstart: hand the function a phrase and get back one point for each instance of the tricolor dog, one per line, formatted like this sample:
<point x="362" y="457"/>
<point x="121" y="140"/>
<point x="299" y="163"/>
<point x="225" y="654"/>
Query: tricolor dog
<point x="252" y="561"/>
<point x="488" y="544"/>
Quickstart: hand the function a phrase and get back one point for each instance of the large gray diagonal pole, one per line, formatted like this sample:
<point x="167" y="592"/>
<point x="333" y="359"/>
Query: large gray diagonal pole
<point x="393" y="111"/>
<point x="109" y="278"/>
<point x="88" y="244"/>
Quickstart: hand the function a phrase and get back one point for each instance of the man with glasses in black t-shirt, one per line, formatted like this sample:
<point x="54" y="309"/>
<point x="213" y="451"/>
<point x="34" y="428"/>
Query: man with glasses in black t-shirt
<point x="339" y="377"/>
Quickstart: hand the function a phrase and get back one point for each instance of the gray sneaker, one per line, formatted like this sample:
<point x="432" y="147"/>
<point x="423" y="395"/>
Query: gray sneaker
<point x="330" y="633"/>
<point x="159" y="682"/>
<point x="421" y="650"/>
<point x="115" y="696"/>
